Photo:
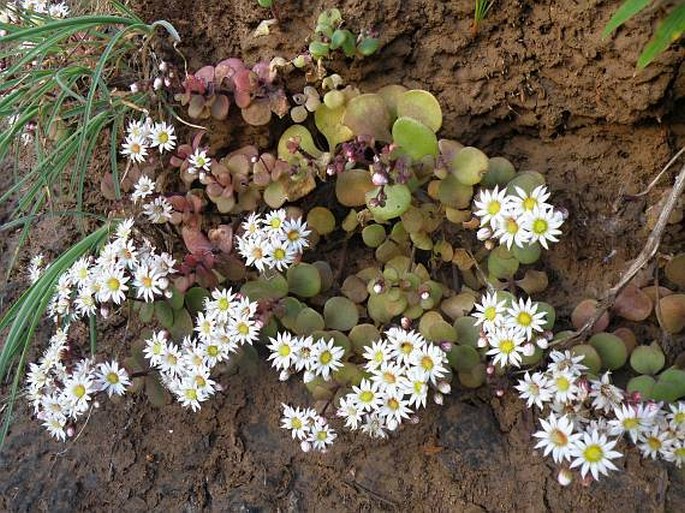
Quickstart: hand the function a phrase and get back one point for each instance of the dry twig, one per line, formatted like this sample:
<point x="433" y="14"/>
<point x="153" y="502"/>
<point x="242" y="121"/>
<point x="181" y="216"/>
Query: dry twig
<point x="643" y="258"/>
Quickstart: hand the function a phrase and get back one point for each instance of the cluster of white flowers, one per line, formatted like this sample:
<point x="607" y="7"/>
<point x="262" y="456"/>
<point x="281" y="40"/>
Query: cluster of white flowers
<point x="61" y="394"/>
<point x="142" y="135"/>
<point x="402" y="367"/>
<point x="158" y="210"/>
<point x="36" y="268"/>
<point x="587" y="417"/>
<point x="294" y="354"/>
<point x="228" y="322"/>
<point x="11" y="10"/>
<point x="309" y="427"/>
<point x="108" y="277"/>
<point x="272" y="241"/>
<point x="509" y="332"/>
<point x="518" y="219"/>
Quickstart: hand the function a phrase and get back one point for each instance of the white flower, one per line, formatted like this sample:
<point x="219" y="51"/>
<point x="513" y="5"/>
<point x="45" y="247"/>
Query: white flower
<point x="297" y="420"/>
<point x="376" y="354"/>
<point x="416" y="387"/>
<point x="350" y="411"/>
<point x="189" y="396"/>
<point x="492" y="206"/>
<point x="507" y="347"/>
<point x="373" y="426"/>
<point x="296" y="233"/>
<point x="367" y="395"/>
<point x="605" y="396"/>
<point x="244" y="330"/>
<point x="534" y="389"/>
<point x="252" y="225"/>
<point x="403" y="344"/>
<point x="55" y="426"/>
<point x="556" y="437"/>
<point x="36" y="268"/>
<point x="158" y="211"/>
<point x="221" y="304"/>
<point x="199" y="161"/>
<point x="326" y="357"/>
<point x="274" y="222"/>
<point x="543" y="225"/>
<point x="490" y="312"/>
<point x="112" y="379"/>
<point x="280" y="256"/>
<point x="143" y="188"/>
<point x="593" y="453"/>
<point x="522" y="202"/>
<point x="563" y="385"/>
<point x="511" y="232"/>
<point x="675" y="453"/>
<point x="653" y="442"/>
<point x="566" y="362"/>
<point x="170" y="361"/>
<point x="77" y="393"/>
<point x="148" y="283"/>
<point x="525" y="318"/>
<point x="676" y="418"/>
<point x="431" y="360"/>
<point x="162" y="136"/>
<point x="632" y="420"/>
<point x="255" y="252"/>
<point x="394" y="410"/>
<point x="134" y="148"/>
<point x="282" y="350"/>
<point x="321" y="435"/>
<point x="124" y="228"/>
<point x="155" y="348"/>
<point x="113" y="286"/>
<point x="205" y="326"/>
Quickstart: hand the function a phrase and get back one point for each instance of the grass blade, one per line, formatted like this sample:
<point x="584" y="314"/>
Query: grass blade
<point x="670" y="30"/>
<point x="628" y="9"/>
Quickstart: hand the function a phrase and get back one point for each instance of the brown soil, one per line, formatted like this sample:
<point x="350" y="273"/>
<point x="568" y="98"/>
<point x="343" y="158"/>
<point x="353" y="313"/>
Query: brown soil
<point x="536" y="85"/>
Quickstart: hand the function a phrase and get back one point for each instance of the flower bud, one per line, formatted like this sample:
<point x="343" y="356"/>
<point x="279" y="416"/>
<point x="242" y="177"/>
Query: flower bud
<point x="528" y="349"/>
<point x="379" y="179"/>
<point x="284" y="375"/>
<point x="499" y="392"/>
<point x="482" y="342"/>
<point x="405" y="322"/>
<point x="305" y="446"/>
<point x="414" y="419"/>
<point x="489" y="245"/>
<point x="446" y="346"/>
<point x="439" y="398"/>
<point x="542" y="342"/>
<point x="565" y="477"/>
<point x="425" y="295"/>
<point x="163" y="66"/>
<point x="104" y="312"/>
<point x="490" y="370"/>
<point x="444" y="387"/>
<point x="219" y="387"/>
<point x="308" y="376"/>
<point x="134" y="87"/>
<point x="167" y="82"/>
<point x="378" y="288"/>
<point x="484" y="233"/>
<point x="392" y="424"/>
<point x="70" y="431"/>
<point x="157" y="83"/>
<point x="96" y="404"/>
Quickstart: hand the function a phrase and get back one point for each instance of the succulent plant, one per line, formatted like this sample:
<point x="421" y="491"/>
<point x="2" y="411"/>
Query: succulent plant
<point x="330" y="36"/>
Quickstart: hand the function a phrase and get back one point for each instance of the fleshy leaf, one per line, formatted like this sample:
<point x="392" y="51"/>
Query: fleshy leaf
<point x="351" y="187"/>
<point x="421" y="106"/>
<point x="414" y="138"/>
<point x="328" y="121"/>
<point x="367" y="114"/>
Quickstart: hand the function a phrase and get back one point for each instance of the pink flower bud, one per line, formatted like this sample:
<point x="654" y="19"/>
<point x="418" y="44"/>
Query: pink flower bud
<point x="96" y="404"/>
<point x="484" y="233"/>
<point x="444" y="387"/>
<point x="528" y="349"/>
<point x="163" y="66"/>
<point x="378" y="288"/>
<point x="499" y="392"/>
<point x="565" y="477"/>
<point x="542" y="342"/>
<point x="482" y="342"/>
<point x="70" y="431"/>
<point x="414" y="419"/>
<point x="167" y="82"/>
<point x="134" y="87"/>
<point x="157" y="84"/>
<point x="305" y="446"/>
<point x="490" y="370"/>
<point x="405" y="322"/>
<point x="425" y="295"/>
<point x="379" y="179"/>
<point x="446" y="346"/>
<point x="439" y="398"/>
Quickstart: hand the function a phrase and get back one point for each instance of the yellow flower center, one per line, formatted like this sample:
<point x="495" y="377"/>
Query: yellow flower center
<point x="366" y="396"/>
<point x="511" y="226"/>
<point x="321" y="436"/>
<point x="654" y="443"/>
<point x="378" y="357"/>
<point x="284" y="350"/>
<point x="630" y="423"/>
<point x="296" y="423"/>
<point x="679" y="417"/>
<point x="79" y="391"/>
<point x="293" y="235"/>
<point x="200" y="381"/>
<point x="593" y="453"/>
<point x="212" y="351"/>
<point x="275" y="223"/>
<point x="679" y="452"/>
<point x="506" y="346"/>
<point x="393" y="403"/>
<point x="490" y="313"/>
<point x="529" y="203"/>
<point x="223" y="304"/>
<point x="113" y="284"/>
<point x="524" y="319"/>
<point x="163" y="137"/>
<point x="562" y="383"/>
<point x="279" y="253"/>
<point x="135" y="148"/>
<point x="494" y="207"/>
<point x="326" y="357"/>
<point x="243" y="328"/>
<point x="539" y="226"/>
<point x="427" y="363"/>
<point x="389" y="377"/>
<point x="191" y="394"/>
<point x="406" y="347"/>
<point x="112" y="378"/>
<point x="558" y="438"/>
<point x="147" y="282"/>
<point x="418" y="386"/>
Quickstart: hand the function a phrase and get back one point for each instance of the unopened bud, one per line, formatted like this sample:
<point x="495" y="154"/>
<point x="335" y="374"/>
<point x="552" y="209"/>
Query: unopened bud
<point x="163" y="66"/>
<point x="167" y="82"/>
<point x="308" y="376"/>
<point x="157" y="83"/>
<point x="446" y="346"/>
<point x="305" y="446"/>
<point x="484" y="233"/>
<point x="168" y="294"/>
<point x="439" y="398"/>
<point x="392" y="424"/>
<point x="96" y="404"/>
<point x="425" y="295"/>
<point x="134" y="87"/>
<point x="482" y="342"/>
<point x="499" y="392"/>
<point x="219" y="387"/>
<point x="284" y="375"/>
<point x="444" y="387"/>
<point x="489" y="245"/>
<point x="490" y="370"/>
<point x="414" y="419"/>
<point x="565" y="477"/>
<point x="378" y="288"/>
<point x="202" y="176"/>
<point x="70" y="431"/>
<point x="405" y="322"/>
<point x="379" y="179"/>
<point x="104" y="312"/>
<point x="542" y="342"/>
<point x="528" y="349"/>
